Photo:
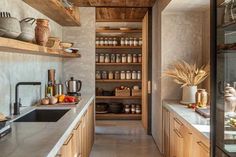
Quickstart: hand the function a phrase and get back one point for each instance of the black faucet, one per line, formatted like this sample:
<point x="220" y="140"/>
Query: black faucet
<point x="17" y="104"/>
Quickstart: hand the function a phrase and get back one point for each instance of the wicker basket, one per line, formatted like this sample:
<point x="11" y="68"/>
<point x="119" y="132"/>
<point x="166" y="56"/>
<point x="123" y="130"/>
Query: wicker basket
<point x="136" y="92"/>
<point x="125" y="92"/>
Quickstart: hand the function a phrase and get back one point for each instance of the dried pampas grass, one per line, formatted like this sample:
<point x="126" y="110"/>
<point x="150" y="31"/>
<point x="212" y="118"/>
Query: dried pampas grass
<point x="187" y="74"/>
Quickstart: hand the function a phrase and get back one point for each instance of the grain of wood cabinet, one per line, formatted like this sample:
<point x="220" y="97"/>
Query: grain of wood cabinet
<point x="80" y="141"/>
<point x="183" y="141"/>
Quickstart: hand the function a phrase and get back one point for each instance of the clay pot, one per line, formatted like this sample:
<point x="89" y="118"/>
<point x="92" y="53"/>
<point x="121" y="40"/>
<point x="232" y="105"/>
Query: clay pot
<point x="42" y="32"/>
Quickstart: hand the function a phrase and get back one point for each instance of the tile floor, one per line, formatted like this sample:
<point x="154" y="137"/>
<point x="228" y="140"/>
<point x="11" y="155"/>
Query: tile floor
<point x="122" y="139"/>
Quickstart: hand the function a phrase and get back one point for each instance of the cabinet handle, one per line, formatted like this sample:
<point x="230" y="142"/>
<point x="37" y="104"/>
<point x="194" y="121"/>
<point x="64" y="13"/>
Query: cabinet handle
<point x="177" y="133"/>
<point x="203" y="146"/>
<point x="58" y="155"/>
<point x="68" y="140"/>
<point x="178" y="121"/>
<point x="77" y="125"/>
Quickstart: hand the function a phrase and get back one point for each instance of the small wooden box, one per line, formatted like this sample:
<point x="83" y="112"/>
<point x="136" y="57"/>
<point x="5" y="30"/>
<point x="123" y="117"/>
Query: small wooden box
<point x="136" y="92"/>
<point x="125" y="92"/>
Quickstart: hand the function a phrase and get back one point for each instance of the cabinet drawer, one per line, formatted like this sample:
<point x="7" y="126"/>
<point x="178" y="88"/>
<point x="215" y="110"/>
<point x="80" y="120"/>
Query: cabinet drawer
<point x="178" y="124"/>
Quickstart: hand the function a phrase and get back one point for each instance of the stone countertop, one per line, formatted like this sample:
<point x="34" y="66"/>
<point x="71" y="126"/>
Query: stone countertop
<point x="190" y="117"/>
<point x="42" y="139"/>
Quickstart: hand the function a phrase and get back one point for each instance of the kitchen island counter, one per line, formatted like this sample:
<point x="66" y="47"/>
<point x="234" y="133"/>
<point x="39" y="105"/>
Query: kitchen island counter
<point x="43" y="139"/>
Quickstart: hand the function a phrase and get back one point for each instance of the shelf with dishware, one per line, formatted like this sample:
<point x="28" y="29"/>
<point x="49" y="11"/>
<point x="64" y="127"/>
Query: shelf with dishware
<point x="120" y="116"/>
<point x="118" y="64"/>
<point x="118" y="30"/>
<point x="118" y="81"/>
<point x="16" y="46"/>
<point x="64" y="14"/>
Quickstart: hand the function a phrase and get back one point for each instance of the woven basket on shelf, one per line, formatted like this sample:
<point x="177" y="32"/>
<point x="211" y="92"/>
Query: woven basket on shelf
<point x="125" y="92"/>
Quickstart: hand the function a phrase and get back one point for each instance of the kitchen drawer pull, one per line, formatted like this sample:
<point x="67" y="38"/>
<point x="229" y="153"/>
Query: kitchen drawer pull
<point x="77" y="125"/>
<point x="203" y="146"/>
<point x="178" y="121"/>
<point x="178" y="133"/>
<point x="68" y="139"/>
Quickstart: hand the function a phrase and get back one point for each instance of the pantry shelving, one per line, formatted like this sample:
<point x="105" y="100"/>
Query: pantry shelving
<point x="114" y="42"/>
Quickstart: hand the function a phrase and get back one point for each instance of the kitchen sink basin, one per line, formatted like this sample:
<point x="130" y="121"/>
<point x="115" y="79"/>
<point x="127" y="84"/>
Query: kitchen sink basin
<point x="43" y="115"/>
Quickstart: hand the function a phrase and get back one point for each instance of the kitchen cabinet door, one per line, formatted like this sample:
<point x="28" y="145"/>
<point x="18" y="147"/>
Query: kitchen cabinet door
<point x="166" y="137"/>
<point x="77" y="142"/>
<point x="200" y="148"/>
<point x="67" y="148"/>
<point x="84" y="136"/>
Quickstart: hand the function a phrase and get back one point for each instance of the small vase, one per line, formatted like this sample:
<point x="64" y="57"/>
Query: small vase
<point x="189" y="93"/>
<point x="42" y="32"/>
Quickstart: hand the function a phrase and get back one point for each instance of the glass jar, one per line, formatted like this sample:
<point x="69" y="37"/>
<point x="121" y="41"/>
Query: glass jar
<point x="129" y="58"/>
<point x="122" y="75"/>
<point x="135" y="58"/>
<point x="101" y="58"/>
<point x="124" y="58"/>
<point x="110" y="42"/>
<point x="115" y="42"/>
<point x="104" y="75"/>
<point x="127" y="108"/>
<point x="131" y="42"/>
<point x="97" y="41"/>
<point x="128" y="75"/>
<point x="118" y="58"/>
<point x="140" y="58"/>
<point x="113" y="58"/>
<point x="107" y="58"/>
<point x="135" y="42"/>
<point x="110" y="75"/>
<point x="138" y="109"/>
<point x="106" y="42"/>
<point x="97" y="58"/>
<point x="117" y="75"/>
<point x="133" y="109"/>
<point x="98" y="75"/>
<point x="139" y="75"/>
<point x="122" y="41"/>
<point x="134" y="75"/>
<point x="101" y="42"/>
<point x="126" y="41"/>
<point x="140" y="42"/>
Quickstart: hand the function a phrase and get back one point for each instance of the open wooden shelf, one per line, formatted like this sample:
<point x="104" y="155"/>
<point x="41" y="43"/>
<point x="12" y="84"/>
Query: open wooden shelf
<point x="55" y="11"/>
<point x="118" y="64"/>
<point x="119" y="81"/>
<point x="118" y="31"/>
<point x="119" y="47"/>
<point x="123" y="116"/>
<point x="118" y="97"/>
<point x="16" y="46"/>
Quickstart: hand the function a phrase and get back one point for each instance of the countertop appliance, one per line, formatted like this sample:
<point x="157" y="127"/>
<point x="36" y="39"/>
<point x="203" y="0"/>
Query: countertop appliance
<point x="73" y="87"/>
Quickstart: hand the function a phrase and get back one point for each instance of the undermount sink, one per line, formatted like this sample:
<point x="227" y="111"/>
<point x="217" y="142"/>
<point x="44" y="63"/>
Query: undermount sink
<point x="43" y="115"/>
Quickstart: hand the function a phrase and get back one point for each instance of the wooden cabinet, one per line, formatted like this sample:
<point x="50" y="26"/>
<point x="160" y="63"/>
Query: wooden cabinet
<point x="80" y="141"/>
<point x="201" y="148"/>
<point x="180" y="140"/>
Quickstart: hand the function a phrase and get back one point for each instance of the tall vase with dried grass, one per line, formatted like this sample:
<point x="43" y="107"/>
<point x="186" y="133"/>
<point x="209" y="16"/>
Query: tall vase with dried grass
<point x="189" y="76"/>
